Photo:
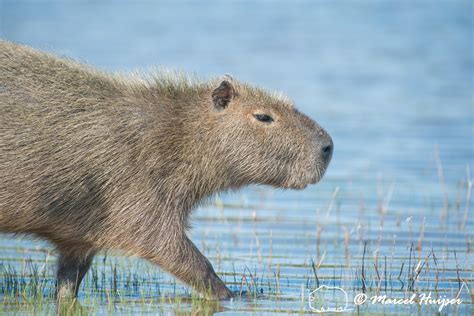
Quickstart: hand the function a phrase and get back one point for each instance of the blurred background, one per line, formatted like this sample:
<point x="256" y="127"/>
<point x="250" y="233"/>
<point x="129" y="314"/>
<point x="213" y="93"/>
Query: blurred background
<point x="392" y="82"/>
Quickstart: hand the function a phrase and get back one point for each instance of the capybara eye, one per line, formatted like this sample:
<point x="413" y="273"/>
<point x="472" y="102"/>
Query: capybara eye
<point x="263" y="118"/>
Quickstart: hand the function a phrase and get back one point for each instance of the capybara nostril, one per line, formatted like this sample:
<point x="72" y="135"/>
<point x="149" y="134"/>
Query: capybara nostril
<point x="327" y="151"/>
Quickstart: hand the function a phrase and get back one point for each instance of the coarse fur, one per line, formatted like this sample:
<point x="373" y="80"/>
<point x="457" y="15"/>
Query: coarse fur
<point x="93" y="161"/>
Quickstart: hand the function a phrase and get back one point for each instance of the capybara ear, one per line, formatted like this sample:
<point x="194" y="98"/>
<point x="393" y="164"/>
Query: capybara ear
<point x="222" y="95"/>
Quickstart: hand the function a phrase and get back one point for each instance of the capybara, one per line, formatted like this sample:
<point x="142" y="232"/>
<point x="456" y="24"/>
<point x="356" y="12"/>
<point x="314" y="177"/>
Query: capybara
<point x="94" y="161"/>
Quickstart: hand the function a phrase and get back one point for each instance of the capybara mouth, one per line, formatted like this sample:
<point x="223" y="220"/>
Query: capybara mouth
<point x="301" y="186"/>
<point x="316" y="178"/>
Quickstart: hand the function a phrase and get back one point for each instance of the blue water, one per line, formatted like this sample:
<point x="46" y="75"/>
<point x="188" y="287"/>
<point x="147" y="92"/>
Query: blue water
<point x="392" y="81"/>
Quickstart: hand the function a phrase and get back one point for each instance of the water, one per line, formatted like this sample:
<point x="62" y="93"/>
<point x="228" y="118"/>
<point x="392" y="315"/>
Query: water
<point x="392" y="83"/>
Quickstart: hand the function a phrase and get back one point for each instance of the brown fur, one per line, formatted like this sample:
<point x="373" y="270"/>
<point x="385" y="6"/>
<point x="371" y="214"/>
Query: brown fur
<point x="93" y="161"/>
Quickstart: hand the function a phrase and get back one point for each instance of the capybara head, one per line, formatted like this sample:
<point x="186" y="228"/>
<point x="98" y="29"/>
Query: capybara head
<point x="265" y="139"/>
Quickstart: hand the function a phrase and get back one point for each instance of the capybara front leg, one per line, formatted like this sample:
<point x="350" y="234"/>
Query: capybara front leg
<point x="183" y="259"/>
<point x="72" y="267"/>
